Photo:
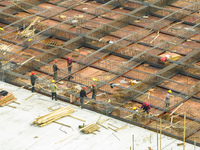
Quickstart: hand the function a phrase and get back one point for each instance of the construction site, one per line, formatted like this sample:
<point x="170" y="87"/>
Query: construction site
<point x="118" y="45"/>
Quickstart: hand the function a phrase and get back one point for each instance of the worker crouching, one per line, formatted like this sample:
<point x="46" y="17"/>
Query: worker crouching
<point x="53" y="88"/>
<point x="146" y="107"/>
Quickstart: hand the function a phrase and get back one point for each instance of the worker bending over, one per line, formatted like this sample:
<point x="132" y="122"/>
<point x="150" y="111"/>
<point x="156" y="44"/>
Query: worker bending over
<point x="53" y="88"/>
<point x="167" y="99"/>
<point x="33" y="79"/>
<point x="94" y="92"/>
<point x="146" y="107"/>
<point x="55" y="70"/>
<point x="82" y="95"/>
<point x="69" y="63"/>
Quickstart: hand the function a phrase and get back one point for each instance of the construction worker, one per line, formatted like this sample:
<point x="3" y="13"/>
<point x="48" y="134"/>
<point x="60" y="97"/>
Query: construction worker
<point x="69" y="63"/>
<point x="167" y="99"/>
<point x="82" y="95"/>
<point x="55" y="70"/>
<point x="163" y="59"/>
<point x="146" y="107"/>
<point x="33" y="79"/>
<point x="53" y="88"/>
<point x="135" y="115"/>
<point x="94" y="92"/>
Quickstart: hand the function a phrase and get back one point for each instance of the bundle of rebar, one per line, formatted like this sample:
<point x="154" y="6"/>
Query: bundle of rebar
<point x="7" y="99"/>
<point x="53" y="116"/>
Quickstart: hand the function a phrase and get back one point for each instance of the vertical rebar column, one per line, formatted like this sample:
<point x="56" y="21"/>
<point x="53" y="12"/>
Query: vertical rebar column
<point x="184" y="131"/>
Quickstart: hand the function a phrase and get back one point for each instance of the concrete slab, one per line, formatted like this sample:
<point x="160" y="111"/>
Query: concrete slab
<point x="17" y="133"/>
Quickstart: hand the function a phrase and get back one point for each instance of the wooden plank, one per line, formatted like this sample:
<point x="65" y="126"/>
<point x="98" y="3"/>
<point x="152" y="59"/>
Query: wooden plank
<point x="102" y="125"/>
<point x="62" y="124"/>
<point x="99" y="118"/>
<point x="122" y="127"/>
<point x="7" y="102"/>
<point x="29" y="96"/>
<point x="76" y="118"/>
<point x="179" y="144"/>
<point x="112" y="129"/>
<point x="176" y="109"/>
<point x="112" y="125"/>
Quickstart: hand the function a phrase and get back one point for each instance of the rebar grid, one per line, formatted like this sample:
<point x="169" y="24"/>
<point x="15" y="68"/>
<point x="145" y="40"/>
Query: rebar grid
<point x="85" y="61"/>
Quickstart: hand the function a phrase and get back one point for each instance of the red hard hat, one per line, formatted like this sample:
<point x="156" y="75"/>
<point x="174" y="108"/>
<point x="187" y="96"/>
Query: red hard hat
<point x="68" y="58"/>
<point x="56" y="60"/>
<point x="85" y="87"/>
<point x="146" y="103"/>
<point x="33" y="73"/>
<point x="93" y="85"/>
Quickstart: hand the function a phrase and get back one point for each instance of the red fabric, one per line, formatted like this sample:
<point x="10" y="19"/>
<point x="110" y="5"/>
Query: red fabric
<point x="163" y="59"/>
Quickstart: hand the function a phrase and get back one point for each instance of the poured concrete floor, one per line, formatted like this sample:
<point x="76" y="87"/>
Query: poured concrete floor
<point x="17" y="133"/>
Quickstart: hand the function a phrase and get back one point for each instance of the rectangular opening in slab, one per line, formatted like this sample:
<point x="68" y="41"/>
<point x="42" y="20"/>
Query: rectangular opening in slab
<point x="111" y="63"/>
<point x="186" y="83"/>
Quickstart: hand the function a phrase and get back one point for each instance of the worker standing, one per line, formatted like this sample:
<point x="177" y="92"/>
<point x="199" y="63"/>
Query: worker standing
<point x="82" y="95"/>
<point x="146" y="107"/>
<point x="33" y="79"/>
<point x="55" y="70"/>
<point x="69" y="63"/>
<point x="53" y="88"/>
<point x="135" y="115"/>
<point x="167" y="99"/>
<point x="94" y="92"/>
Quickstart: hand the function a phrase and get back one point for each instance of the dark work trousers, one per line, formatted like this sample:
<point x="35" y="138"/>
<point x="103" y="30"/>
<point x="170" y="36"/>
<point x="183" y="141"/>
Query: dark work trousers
<point x="94" y="96"/>
<point x="146" y="110"/>
<point x="81" y="100"/>
<point x="33" y="88"/>
<point x="69" y="69"/>
<point x="167" y="104"/>
<point x="55" y="75"/>
<point x="53" y="94"/>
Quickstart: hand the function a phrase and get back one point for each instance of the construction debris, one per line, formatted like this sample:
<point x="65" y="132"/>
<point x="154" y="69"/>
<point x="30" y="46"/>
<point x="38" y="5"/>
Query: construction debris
<point x="117" y="128"/>
<point x="53" y="116"/>
<point x="62" y="17"/>
<point x="28" y="32"/>
<point x="132" y="82"/>
<point x="5" y="48"/>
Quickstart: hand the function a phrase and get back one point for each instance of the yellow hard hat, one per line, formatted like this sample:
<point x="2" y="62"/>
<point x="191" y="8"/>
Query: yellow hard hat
<point x="169" y="91"/>
<point x="134" y="108"/>
<point x="52" y="81"/>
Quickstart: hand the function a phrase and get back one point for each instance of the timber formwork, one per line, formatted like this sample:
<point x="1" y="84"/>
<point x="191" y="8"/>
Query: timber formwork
<point x="140" y="32"/>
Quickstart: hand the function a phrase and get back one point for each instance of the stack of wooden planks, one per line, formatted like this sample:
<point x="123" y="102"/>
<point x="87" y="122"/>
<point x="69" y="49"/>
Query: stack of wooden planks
<point x="90" y="128"/>
<point x="7" y="99"/>
<point x="53" y="116"/>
